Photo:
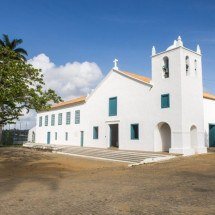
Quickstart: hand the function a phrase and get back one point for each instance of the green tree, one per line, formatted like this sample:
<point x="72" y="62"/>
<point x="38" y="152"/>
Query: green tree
<point x="21" y="88"/>
<point x="12" y="45"/>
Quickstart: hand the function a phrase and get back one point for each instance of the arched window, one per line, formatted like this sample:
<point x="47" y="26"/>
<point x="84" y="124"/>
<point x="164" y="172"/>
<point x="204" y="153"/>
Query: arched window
<point x="195" y="66"/>
<point x="166" y="67"/>
<point x="187" y="61"/>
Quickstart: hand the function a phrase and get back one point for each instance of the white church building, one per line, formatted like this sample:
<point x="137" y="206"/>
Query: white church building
<point x="167" y="112"/>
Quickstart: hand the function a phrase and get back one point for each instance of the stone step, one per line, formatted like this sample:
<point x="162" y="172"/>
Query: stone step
<point x="109" y="154"/>
<point x="114" y="151"/>
<point x="131" y="157"/>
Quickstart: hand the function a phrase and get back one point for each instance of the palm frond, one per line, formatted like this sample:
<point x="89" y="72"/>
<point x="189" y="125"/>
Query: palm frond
<point x="16" y="42"/>
<point x="13" y="44"/>
<point x="21" y="51"/>
<point x="19" y="41"/>
<point x="6" y="40"/>
<point x="2" y="43"/>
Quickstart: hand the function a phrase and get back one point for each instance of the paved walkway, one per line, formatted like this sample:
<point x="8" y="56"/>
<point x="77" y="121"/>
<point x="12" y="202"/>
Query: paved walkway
<point x="130" y="157"/>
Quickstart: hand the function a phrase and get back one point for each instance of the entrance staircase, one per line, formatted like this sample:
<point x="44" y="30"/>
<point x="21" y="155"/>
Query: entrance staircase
<point x="131" y="157"/>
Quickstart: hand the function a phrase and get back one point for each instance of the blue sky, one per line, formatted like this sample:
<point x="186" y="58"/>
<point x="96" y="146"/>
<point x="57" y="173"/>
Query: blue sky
<point x="100" y="30"/>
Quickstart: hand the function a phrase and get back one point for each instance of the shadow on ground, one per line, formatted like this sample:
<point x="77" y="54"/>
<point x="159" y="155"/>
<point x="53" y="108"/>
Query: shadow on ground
<point x="18" y="165"/>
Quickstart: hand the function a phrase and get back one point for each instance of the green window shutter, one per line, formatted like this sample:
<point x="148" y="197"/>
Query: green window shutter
<point x="55" y="135"/>
<point x="46" y="120"/>
<point x="113" y="106"/>
<point x="95" y="132"/>
<point x="211" y="135"/>
<point x="40" y="121"/>
<point x="60" y="119"/>
<point x="66" y="136"/>
<point x="77" y="117"/>
<point x="53" y="119"/>
<point x="134" y="131"/>
<point x="165" y="101"/>
<point x="48" y="137"/>
<point x="68" y="118"/>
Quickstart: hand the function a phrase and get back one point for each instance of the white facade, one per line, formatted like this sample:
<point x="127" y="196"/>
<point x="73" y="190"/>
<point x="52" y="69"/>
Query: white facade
<point x="165" y="113"/>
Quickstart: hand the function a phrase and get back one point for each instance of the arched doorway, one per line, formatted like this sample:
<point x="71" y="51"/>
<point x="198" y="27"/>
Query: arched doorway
<point x="163" y="137"/>
<point x="193" y="137"/>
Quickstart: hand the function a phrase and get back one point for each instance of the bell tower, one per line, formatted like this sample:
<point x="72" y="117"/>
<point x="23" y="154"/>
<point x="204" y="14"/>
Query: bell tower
<point x="177" y="72"/>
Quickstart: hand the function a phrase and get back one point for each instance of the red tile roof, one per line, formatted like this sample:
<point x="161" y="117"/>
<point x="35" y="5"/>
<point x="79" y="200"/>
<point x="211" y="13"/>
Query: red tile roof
<point x="71" y="102"/>
<point x="208" y="96"/>
<point x="137" y="77"/>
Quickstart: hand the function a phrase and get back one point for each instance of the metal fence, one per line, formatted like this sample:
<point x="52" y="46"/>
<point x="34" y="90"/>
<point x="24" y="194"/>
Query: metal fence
<point x="14" y="136"/>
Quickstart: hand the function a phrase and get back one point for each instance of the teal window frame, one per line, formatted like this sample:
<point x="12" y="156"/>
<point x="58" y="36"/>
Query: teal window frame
<point x="135" y="131"/>
<point x="55" y="135"/>
<point x="211" y="135"/>
<point x="60" y="118"/>
<point x="68" y="118"/>
<point x="165" y="101"/>
<point x="66" y="136"/>
<point x="40" y="121"/>
<point x="52" y="119"/>
<point x="77" y="116"/>
<point x="113" y="106"/>
<point x="95" y="132"/>
<point x="46" y="120"/>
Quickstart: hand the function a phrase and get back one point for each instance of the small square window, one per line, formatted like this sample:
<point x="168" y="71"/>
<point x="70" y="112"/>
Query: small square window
<point x="134" y="131"/>
<point x="66" y="136"/>
<point x="95" y="132"/>
<point x="165" y="102"/>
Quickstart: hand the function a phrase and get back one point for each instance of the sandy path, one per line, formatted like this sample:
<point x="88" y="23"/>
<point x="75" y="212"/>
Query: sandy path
<point x="35" y="182"/>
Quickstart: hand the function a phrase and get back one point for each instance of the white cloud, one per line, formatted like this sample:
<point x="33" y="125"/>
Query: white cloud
<point x="41" y="61"/>
<point x="70" y="80"/>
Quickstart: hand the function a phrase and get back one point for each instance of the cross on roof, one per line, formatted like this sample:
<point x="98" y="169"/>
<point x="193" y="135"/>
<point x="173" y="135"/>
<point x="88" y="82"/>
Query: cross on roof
<point x="115" y="64"/>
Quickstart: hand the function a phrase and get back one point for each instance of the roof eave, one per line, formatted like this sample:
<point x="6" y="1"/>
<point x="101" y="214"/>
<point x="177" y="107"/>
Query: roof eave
<point x="136" y="79"/>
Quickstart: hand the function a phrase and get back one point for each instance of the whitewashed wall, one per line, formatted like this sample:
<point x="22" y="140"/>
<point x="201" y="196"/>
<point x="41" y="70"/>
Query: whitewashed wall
<point x="30" y="134"/>
<point x="72" y="129"/>
<point x="133" y="108"/>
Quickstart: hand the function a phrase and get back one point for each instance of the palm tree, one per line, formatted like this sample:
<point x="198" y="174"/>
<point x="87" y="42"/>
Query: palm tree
<point x="6" y="42"/>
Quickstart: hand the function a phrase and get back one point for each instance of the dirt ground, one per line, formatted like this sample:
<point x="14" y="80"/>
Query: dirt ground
<point x="35" y="182"/>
